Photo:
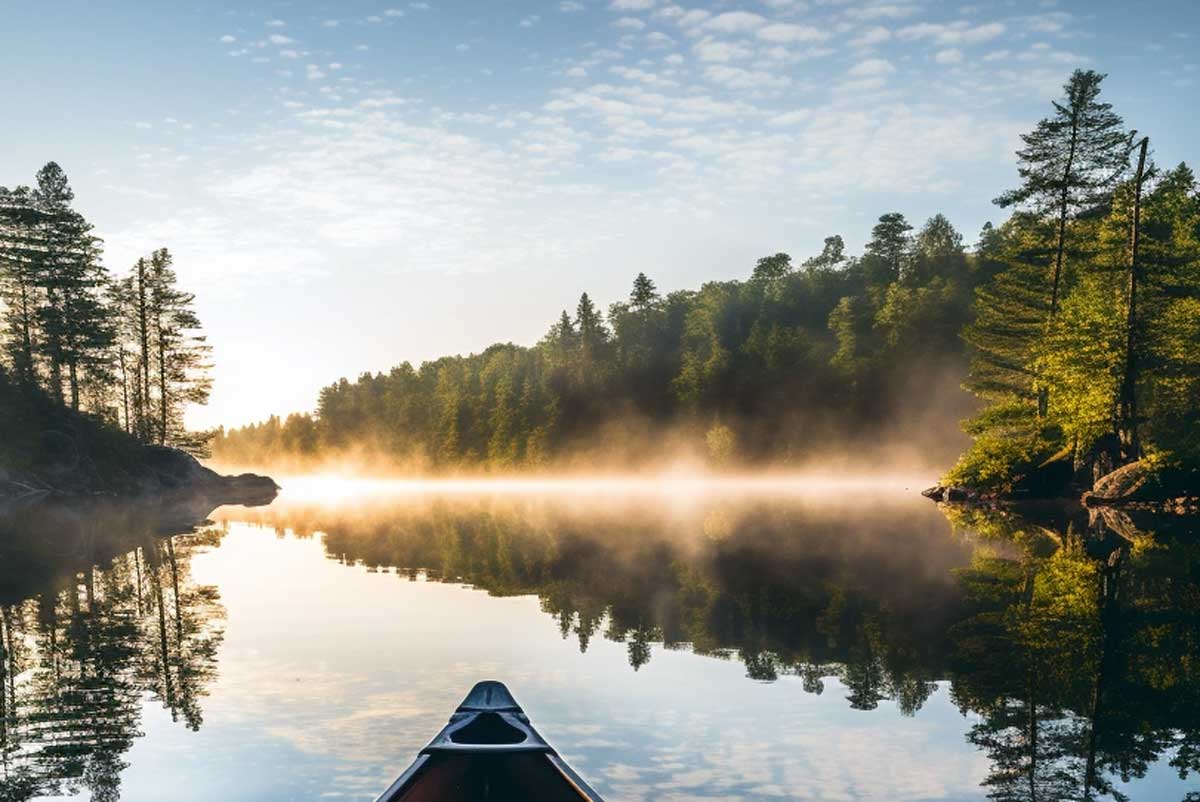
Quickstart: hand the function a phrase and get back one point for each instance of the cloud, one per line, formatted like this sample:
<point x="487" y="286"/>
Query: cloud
<point x="951" y="56"/>
<point x="735" y="22"/>
<point x="883" y="11"/>
<point x="530" y="21"/>
<point x="785" y="33"/>
<point x="313" y="72"/>
<point x="629" y="23"/>
<point x="570" y="6"/>
<point x="738" y="78"/>
<point x="395" y="12"/>
<point x="632" y="5"/>
<point x="276" y="23"/>
<point x="710" y="49"/>
<point x="872" y="36"/>
<point x="280" y="39"/>
<point x="227" y="39"/>
<point x="641" y="76"/>
<point x="330" y="23"/>
<point x="794" y="117"/>
<point x="871" y="68"/>
<point x="953" y="33"/>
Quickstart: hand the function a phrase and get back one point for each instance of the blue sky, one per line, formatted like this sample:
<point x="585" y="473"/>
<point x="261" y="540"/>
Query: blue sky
<point x="349" y="185"/>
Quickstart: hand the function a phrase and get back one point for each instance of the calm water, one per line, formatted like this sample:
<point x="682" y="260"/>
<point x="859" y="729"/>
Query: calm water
<point x="825" y="643"/>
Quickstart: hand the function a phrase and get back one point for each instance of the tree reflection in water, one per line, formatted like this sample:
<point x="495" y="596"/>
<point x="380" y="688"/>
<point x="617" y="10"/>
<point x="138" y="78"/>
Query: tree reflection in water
<point x="1073" y="639"/>
<point x="95" y="637"/>
<point x="1071" y="642"/>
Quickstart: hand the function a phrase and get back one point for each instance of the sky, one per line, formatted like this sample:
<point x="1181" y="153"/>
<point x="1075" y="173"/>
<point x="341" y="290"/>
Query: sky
<point x="350" y="185"/>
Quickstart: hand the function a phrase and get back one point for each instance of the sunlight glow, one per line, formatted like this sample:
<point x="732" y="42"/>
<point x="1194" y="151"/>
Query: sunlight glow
<point x="332" y="488"/>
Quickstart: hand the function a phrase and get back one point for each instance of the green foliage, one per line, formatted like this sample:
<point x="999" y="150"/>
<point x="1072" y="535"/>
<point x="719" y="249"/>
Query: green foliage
<point x="790" y="361"/>
<point x="125" y="352"/>
<point x="1076" y="348"/>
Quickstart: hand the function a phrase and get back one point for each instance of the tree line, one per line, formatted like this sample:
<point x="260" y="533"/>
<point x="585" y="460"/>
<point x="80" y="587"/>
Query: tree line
<point x="794" y="357"/>
<point x="1074" y="323"/>
<point x="125" y="349"/>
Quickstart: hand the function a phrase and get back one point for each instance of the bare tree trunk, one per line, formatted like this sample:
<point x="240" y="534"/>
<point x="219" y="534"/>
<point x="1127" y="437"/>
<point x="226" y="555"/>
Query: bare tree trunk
<point x="164" y="654"/>
<point x="144" y="337"/>
<point x="1060" y="246"/>
<point x="162" y="391"/>
<point x="175" y="590"/>
<point x="1129" y="412"/>
<point x="73" y="377"/>
<point x="124" y="386"/>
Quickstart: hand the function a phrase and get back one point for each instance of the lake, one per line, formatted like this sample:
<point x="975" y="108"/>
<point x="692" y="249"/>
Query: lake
<point x="819" y="640"/>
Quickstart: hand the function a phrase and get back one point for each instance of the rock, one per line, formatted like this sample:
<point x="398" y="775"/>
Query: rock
<point x="950" y="493"/>
<point x="248" y="489"/>
<point x="1127" y="483"/>
<point x="1137" y="483"/>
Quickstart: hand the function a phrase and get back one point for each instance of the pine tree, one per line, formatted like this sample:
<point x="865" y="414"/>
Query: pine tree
<point x="180" y="352"/>
<point x="887" y="249"/>
<point x="644" y="294"/>
<point x="1003" y="339"/>
<point x="1070" y="162"/>
<point x="76" y="324"/>
<point x="19" y="291"/>
<point x="590" y="324"/>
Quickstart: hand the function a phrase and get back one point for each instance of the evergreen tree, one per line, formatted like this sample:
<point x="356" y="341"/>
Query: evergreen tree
<point x="1004" y="338"/>
<point x="589" y="322"/>
<point x="883" y="261"/>
<point x="75" y="322"/>
<point x="20" y="294"/>
<point x="1069" y="162"/>
<point x="180" y="352"/>
<point x="644" y="294"/>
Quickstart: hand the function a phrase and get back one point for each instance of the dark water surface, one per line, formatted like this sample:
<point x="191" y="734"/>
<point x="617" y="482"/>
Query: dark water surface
<point x="819" y="643"/>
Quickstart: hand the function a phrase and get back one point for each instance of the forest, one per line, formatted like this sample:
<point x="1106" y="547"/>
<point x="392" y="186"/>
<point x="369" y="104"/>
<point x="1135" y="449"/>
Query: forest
<point x="110" y="357"/>
<point x="1073" y="324"/>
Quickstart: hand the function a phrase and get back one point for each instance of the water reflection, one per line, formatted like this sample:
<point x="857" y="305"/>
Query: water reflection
<point x="86" y="637"/>
<point x="785" y="586"/>
<point x="1069" y="643"/>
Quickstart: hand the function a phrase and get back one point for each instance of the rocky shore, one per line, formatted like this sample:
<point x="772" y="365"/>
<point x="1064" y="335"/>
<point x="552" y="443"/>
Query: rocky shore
<point x="1135" y="486"/>
<point x="153" y="473"/>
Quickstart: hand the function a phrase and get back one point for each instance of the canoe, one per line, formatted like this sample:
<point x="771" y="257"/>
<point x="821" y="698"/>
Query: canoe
<point x="489" y="752"/>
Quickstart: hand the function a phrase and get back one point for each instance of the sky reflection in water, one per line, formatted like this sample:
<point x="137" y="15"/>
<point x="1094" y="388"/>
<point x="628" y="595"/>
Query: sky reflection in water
<point x="809" y="647"/>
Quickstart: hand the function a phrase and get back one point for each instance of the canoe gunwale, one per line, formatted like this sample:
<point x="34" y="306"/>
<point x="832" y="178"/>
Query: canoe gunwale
<point x="487" y="701"/>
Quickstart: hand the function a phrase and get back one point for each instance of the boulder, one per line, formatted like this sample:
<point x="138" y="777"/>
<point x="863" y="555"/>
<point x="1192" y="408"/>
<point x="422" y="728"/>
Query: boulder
<point x="1132" y="482"/>
<point x="1138" y="483"/>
